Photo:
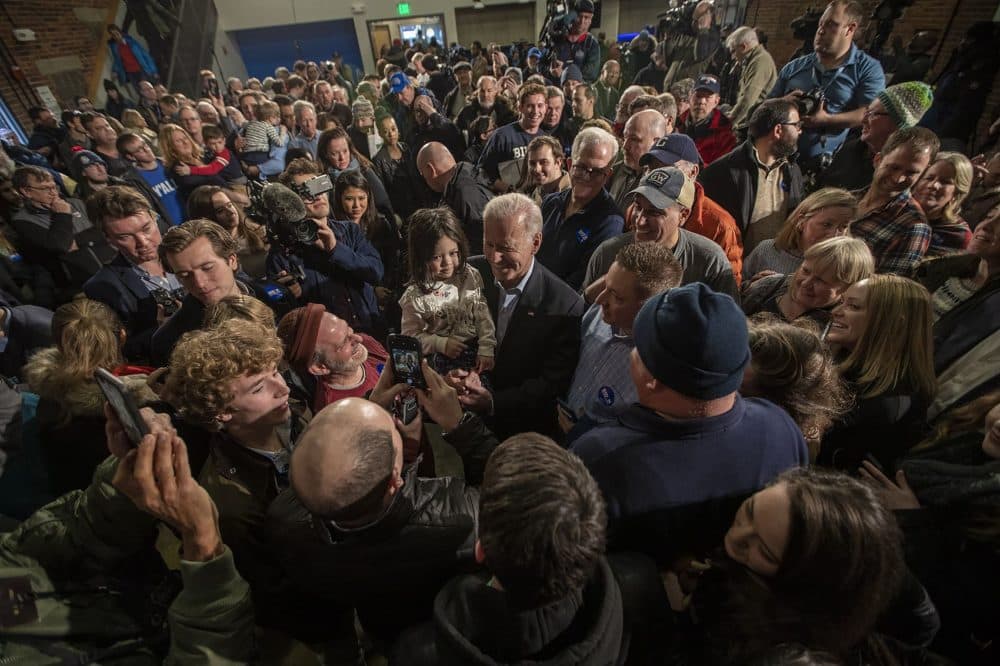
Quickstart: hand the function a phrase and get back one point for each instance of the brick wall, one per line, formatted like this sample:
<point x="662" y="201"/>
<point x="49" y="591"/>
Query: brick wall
<point x="773" y="18"/>
<point x="68" y="49"/>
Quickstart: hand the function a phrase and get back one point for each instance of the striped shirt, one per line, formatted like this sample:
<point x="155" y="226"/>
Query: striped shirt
<point x="602" y="385"/>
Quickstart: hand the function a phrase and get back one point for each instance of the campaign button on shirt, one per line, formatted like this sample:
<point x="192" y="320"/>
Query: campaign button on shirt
<point x="606" y="395"/>
<point x="582" y="235"/>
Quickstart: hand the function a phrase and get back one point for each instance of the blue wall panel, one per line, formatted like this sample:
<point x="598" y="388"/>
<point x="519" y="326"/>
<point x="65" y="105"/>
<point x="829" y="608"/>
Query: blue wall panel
<point x="265" y="49"/>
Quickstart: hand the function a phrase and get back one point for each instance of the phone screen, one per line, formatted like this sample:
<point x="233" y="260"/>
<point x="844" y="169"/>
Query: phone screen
<point x="405" y="354"/>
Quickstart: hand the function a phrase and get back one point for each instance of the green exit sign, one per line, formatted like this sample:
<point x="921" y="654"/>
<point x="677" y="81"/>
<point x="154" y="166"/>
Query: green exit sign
<point x="403" y="8"/>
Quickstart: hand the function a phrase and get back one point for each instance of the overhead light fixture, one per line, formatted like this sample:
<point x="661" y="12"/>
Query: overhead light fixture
<point x="478" y="5"/>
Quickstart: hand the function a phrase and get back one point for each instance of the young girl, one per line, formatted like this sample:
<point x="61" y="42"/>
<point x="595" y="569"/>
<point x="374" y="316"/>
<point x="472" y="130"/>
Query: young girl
<point x="444" y="306"/>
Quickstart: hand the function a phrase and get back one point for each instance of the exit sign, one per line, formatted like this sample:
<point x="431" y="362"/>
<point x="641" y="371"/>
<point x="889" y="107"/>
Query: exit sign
<point x="403" y="8"/>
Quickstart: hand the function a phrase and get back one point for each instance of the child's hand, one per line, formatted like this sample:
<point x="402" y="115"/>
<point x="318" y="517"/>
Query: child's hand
<point x="484" y="364"/>
<point x="182" y="170"/>
<point x="221" y="160"/>
<point x="453" y="347"/>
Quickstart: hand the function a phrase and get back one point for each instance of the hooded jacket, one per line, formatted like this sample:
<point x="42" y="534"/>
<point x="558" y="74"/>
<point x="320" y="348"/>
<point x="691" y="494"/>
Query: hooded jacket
<point x="474" y="624"/>
<point x="71" y="420"/>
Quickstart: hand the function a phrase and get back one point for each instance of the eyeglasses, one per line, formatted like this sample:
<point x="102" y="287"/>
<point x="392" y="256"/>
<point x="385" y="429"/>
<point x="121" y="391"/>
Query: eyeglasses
<point x="46" y="188"/>
<point x="874" y="114"/>
<point x="586" y="173"/>
<point x="796" y="124"/>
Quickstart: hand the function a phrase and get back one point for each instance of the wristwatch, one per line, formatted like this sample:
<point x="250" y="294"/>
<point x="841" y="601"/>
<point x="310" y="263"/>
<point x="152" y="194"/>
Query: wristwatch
<point x="466" y="417"/>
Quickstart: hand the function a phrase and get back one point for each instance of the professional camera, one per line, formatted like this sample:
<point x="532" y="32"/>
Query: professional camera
<point x="810" y="102"/>
<point x="559" y="18"/>
<point x="282" y="212"/>
<point x="677" y="20"/>
<point x="804" y="28"/>
<point x="168" y="299"/>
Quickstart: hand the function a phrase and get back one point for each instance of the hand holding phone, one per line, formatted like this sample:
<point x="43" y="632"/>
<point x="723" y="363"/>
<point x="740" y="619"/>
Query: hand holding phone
<point x="405" y="355"/>
<point x="123" y="405"/>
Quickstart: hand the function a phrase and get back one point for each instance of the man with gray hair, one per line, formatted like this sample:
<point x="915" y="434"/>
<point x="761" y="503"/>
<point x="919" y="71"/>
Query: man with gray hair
<point x="641" y="131"/>
<point x="757" y="72"/>
<point x="537" y="319"/>
<point x="308" y="134"/>
<point x="579" y="219"/>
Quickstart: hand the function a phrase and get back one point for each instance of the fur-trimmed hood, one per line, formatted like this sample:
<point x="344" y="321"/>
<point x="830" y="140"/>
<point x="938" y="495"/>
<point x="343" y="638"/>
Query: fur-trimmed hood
<point x="44" y="376"/>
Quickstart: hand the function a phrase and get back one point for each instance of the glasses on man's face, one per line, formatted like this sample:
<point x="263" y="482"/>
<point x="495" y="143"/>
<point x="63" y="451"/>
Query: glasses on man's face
<point x="43" y="188"/>
<point x="796" y="124"/>
<point x="586" y="173"/>
<point x="874" y="114"/>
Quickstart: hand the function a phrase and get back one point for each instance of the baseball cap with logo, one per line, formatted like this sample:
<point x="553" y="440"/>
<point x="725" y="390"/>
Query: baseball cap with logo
<point x="83" y="159"/>
<point x="707" y="82"/>
<point x="670" y="149"/>
<point x="534" y="52"/>
<point x="398" y="82"/>
<point x="666" y="187"/>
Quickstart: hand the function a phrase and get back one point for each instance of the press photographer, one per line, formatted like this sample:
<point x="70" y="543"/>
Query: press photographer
<point x="337" y="265"/>
<point x="832" y="86"/>
<point x="566" y="36"/>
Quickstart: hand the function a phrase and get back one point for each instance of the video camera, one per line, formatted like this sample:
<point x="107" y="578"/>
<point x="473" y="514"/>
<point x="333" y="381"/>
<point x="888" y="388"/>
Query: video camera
<point x="677" y="19"/>
<point x="281" y="211"/>
<point x="559" y="18"/>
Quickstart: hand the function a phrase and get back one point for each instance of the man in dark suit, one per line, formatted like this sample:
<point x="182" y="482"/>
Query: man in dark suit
<point x="23" y="329"/>
<point x="537" y="318"/>
<point x="134" y="283"/>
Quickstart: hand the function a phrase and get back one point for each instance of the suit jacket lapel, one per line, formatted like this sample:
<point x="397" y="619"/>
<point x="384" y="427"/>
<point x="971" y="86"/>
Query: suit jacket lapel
<point x="489" y="286"/>
<point x="129" y="277"/>
<point x="527" y="304"/>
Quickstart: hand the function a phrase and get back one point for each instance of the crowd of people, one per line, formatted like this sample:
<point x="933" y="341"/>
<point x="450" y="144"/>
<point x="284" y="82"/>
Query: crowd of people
<point x="707" y="359"/>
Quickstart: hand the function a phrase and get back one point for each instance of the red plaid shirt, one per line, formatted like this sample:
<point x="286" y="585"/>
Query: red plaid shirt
<point x="897" y="234"/>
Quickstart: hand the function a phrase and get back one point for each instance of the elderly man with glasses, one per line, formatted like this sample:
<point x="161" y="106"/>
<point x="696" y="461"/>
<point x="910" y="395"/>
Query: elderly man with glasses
<point x="582" y="217"/>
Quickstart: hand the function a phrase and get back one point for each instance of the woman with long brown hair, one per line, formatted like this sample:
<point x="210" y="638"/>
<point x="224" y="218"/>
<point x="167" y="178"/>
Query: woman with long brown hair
<point x="336" y="154"/>
<point x="214" y="203"/>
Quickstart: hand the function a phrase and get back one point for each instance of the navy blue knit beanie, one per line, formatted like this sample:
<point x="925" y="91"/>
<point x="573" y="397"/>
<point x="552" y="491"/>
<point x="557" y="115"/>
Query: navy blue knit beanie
<point x="693" y="340"/>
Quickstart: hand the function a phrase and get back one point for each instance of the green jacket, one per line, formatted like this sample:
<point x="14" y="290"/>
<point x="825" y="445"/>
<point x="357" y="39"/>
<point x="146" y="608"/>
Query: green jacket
<point x="757" y="77"/>
<point x="62" y="562"/>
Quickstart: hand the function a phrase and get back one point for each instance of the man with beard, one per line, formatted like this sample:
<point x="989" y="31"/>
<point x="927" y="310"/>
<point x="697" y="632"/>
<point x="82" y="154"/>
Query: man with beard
<point x="757" y="183"/>
<point x="508" y="146"/>
<point x="430" y="126"/>
<point x="848" y="78"/>
<point x="486" y="101"/>
<point x="889" y="221"/>
<point x="330" y="359"/>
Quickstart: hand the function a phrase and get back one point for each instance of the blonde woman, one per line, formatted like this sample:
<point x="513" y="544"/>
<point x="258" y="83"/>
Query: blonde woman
<point x="88" y="335"/>
<point x="133" y="121"/>
<point x="940" y="192"/>
<point x="881" y="338"/>
<point x="185" y="160"/>
<point x="815" y="288"/>
<point x="823" y="214"/>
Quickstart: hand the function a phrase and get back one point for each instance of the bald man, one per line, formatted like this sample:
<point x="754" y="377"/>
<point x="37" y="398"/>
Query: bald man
<point x="358" y="529"/>
<point x="641" y="132"/>
<point x="461" y="186"/>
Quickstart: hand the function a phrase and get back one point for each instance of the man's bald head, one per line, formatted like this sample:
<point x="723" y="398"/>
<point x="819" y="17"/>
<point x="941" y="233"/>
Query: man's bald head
<point x="347" y="462"/>
<point x="650" y="120"/>
<point x="435" y="163"/>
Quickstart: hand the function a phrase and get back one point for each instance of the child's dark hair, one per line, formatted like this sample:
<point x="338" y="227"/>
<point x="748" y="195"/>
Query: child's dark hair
<point x="354" y="178"/>
<point x="209" y="132"/>
<point x="426" y="227"/>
